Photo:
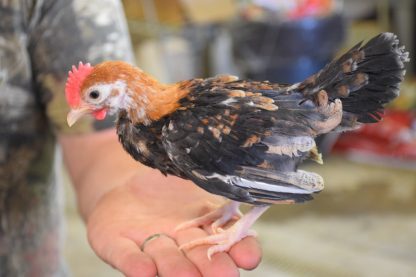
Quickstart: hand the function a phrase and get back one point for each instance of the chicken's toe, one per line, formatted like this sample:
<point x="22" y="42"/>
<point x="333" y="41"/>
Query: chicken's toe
<point x="218" y="218"/>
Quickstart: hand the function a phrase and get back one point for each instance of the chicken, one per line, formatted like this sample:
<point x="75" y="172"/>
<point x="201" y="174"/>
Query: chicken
<point x="239" y="139"/>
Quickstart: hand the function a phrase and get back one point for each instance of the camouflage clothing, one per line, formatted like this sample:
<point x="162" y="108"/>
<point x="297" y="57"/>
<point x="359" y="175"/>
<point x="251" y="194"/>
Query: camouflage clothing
<point x="39" y="41"/>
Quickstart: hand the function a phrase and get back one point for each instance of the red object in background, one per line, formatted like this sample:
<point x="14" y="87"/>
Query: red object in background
<point x="394" y="138"/>
<point x="307" y="8"/>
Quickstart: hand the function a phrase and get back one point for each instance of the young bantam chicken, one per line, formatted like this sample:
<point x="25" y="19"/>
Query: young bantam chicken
<point x="240" y="139"/>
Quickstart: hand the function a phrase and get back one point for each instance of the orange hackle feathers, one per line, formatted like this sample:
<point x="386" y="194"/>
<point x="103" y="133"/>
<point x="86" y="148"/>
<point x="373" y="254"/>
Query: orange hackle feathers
<point x="75" y="79"/>
<point x="165" y="101"/>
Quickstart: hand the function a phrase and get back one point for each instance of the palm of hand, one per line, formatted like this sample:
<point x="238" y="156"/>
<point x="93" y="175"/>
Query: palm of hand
<point x="151" y="204"/>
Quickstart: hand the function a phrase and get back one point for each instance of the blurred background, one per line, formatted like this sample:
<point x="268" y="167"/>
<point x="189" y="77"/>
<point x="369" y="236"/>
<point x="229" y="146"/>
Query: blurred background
<point x="364" y="222"/>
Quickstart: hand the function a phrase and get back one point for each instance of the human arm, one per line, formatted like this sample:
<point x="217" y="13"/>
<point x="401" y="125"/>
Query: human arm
<point x="124" y="202"/>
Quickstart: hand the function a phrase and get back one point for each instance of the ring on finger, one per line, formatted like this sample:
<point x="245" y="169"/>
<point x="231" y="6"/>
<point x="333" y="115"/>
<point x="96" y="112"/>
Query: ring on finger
<point x="153" y="237"/>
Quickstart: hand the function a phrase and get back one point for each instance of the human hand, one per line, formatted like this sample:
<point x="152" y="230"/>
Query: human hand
<point x="151" y="203"/>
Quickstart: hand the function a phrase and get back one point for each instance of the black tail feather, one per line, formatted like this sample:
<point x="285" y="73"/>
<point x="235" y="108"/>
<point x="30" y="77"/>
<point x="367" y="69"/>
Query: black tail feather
<point x="365" y="79"/>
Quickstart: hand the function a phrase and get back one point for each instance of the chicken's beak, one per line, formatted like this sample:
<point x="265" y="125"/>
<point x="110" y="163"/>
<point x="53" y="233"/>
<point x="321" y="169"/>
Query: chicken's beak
<point x="76" y="114"/>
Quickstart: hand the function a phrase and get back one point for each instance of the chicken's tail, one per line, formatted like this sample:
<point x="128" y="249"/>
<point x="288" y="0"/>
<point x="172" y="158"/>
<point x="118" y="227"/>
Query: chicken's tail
<point x="365" y="79"/>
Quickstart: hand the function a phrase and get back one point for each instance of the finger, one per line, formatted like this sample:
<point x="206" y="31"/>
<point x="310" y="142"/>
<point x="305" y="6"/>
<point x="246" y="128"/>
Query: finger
<point x="246" y="253"/>
<point x="220" y="265"/>
<point x="170" y="261"/>
<point x="126" y="256"/>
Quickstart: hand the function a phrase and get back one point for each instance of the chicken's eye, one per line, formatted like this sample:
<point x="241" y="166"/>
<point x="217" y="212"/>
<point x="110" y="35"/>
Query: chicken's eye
<point x="94" y="94"/>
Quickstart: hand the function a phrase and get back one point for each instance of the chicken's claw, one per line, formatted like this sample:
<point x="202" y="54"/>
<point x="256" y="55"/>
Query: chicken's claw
<point x="224" y="239"/>
<point x="216" y="218"/>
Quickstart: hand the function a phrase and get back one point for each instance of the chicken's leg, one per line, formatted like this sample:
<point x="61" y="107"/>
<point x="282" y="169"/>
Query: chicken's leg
<point x="218" y="217"/>
<point x="225" y="239"/>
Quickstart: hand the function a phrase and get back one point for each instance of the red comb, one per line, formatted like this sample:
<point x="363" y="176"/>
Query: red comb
<point x="74" y="82"/>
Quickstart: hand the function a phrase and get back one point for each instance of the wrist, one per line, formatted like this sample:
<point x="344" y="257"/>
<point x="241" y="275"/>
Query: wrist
<point x="90" y="192"/>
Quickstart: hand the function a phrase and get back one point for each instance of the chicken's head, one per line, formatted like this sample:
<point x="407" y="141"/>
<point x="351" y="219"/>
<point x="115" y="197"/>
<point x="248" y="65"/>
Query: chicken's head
<point x="98" y="90"/>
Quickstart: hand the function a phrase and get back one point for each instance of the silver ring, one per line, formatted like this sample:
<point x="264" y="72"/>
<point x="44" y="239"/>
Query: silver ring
<point x="153" y="237"/>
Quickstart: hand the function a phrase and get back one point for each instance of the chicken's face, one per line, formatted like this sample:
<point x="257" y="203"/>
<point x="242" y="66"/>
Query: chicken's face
<point x="115" y="85"/>
<point x="98" y="90"/>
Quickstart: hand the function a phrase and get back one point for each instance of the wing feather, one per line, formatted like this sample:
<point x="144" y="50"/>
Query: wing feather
<point x="224" y="145"/>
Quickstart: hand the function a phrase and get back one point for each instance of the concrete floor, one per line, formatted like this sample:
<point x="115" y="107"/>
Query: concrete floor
<point x="362" y="224"/>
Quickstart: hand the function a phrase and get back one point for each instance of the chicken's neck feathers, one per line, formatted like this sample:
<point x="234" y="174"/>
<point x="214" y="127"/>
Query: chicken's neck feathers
<point x="153" y="100"/>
